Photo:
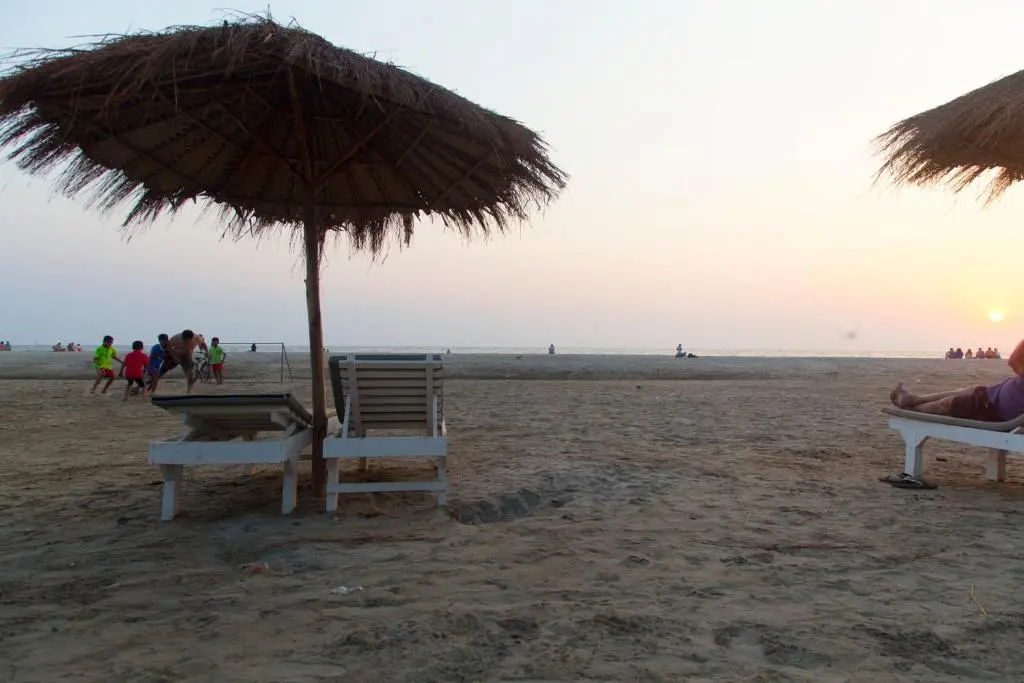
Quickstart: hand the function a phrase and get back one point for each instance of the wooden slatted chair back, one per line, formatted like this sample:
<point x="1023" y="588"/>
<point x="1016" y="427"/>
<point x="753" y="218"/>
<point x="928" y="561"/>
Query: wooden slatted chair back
<point x="388" y="391"/>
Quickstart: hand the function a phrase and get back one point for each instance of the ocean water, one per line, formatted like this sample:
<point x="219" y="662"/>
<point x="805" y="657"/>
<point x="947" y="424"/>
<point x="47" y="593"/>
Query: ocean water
<point x="272" y="347"/>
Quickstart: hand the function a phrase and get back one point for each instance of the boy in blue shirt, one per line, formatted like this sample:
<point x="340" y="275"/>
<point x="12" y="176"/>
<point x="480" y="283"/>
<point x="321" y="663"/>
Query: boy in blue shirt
<point x="156" y="359"/>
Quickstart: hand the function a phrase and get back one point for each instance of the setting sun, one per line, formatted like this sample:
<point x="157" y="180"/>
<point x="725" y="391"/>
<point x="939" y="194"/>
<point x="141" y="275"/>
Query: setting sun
<point x="996" y="316"/>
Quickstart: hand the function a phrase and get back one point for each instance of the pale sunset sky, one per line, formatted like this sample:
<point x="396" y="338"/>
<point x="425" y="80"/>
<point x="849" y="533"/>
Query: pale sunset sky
<point x="721" y="190"/>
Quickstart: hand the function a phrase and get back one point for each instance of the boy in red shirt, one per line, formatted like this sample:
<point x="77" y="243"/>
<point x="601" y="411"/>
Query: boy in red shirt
<point x="134" y="368"/>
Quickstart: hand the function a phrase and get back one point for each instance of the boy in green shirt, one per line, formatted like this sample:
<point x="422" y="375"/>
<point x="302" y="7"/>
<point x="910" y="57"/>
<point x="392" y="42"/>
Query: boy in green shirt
<point x="217" y="357"/>
<point x="102" y="361"/>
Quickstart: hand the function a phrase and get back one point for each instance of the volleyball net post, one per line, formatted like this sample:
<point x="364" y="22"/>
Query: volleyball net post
<point x="252" y="348"/>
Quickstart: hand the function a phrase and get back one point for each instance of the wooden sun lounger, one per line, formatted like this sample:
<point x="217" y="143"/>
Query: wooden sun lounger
<point x="387" y="392"/>
<point x="221" y="430"/>
<point x="916" y="428"/>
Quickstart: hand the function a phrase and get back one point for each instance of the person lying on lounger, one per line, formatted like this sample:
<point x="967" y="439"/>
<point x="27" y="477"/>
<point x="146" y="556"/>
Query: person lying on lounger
<point x="999" y="402"/>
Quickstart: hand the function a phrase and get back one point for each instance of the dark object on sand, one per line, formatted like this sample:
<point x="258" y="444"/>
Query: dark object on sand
<point x="907" y="481"/>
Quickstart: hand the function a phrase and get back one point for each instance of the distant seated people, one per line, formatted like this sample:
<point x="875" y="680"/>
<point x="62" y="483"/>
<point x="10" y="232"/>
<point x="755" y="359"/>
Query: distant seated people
<point x="959" y="353"/>
<point x="551" y="350"/>
<point x="58" y="347"/>
<point x="950" y="354"/>
<point x="995" y="353"/>
<point x="679" y="351"/>
<point x="989" y="353"/>
<point x="980" y="353"/>
<point x="1000" y="402"/>
<point x="969" y="355"/>
<point x="252" y="348"/>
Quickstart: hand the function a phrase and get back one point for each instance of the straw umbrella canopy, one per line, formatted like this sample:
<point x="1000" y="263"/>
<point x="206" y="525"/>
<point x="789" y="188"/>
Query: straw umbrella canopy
<point x="959" y="141"/>
<point x="277" y="128"/>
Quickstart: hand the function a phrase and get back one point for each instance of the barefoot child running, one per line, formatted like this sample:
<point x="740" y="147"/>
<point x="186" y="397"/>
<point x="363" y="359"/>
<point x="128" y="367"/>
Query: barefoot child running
<point x="134" y="368"/>
<point x="156" y="361"/>
<point x="217" y="357"/>
<point x="102" y="361"/>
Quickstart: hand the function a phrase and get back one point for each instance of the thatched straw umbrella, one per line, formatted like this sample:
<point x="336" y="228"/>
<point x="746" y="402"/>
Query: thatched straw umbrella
<point x="277" y="127"/>
<point x="961" y="140"/>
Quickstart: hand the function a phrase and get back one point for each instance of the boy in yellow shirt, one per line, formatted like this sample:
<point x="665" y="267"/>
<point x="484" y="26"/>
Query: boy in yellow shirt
<point x="102" y="361"/>
<point x="217" y="357"/>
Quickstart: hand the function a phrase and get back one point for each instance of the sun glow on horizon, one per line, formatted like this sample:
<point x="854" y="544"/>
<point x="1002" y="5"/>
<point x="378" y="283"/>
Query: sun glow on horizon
<point x="996" y="316"/>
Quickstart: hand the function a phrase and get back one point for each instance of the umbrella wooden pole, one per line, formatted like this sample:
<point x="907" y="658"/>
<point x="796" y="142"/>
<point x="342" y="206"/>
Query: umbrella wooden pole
<point x="312" y="242"/>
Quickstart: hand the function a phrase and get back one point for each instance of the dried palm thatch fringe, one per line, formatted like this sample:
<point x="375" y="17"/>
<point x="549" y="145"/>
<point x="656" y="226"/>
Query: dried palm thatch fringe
<point x="207" y="114"/>
<point x="962" y="140"/>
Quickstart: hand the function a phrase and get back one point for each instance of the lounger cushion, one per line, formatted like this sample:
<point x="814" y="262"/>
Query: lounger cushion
<point x="268" y="401"/>
<point x="1007" y="426"/>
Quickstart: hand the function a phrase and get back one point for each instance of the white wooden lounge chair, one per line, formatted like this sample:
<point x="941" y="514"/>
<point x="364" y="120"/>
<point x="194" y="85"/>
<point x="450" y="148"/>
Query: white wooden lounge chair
<point x="387" y="392"/>
<point x="916" y="428"/>
<point x="213" y="426"/>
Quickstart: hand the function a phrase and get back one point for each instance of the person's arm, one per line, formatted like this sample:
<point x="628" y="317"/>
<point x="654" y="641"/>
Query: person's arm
<point x="1016" y="361"/>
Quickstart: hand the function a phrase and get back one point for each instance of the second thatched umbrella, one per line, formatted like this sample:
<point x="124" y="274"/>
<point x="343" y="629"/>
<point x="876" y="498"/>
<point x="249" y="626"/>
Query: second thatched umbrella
<point x="277" y="127"/>
<point x="961" y="140"/>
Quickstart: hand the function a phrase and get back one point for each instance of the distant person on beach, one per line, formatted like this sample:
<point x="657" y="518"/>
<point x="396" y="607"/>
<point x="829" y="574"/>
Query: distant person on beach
<point x="950" y="354"/>
<point x="551" y="350"/>
<point x="999" y="402"/>
<point x="134" y="370"/>
<point x="979" y="354"/>
<point x="679" y="351"/>
<point x="253" y="348"/>
<point x="969" y="355"/>
<point x="217" y="357"/>
<point x="180" y="350"/>
<point x="102" y="361"/>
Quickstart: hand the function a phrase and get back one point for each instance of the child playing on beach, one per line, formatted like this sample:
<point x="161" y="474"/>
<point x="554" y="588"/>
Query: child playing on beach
<point x="102" y="361"/>
<point x="217" y="357"/>
<point x="134" y="368"/>
<point x="156" y="360"/>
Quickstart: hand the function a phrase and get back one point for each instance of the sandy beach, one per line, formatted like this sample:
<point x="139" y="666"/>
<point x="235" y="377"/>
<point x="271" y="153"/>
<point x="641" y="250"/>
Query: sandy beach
<point x="611" y="518"/>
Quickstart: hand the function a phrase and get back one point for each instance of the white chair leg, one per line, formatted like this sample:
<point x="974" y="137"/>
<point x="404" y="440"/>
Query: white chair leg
<point x="995" y="466"/>
<point x="913" y="462"/>
<point x="442" y="476"/>
<point x="172" y="491"/>
<point x="333" y="467"/>
<point x="290" y="487"/>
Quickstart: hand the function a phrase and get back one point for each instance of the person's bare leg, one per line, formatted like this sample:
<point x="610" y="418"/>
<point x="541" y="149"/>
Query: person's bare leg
<point x="127" y="390"/>
<point x="901" y="398"/>
<point x="943" y="406"/>
<point x="99" y="378"/>
<point x="107" y="385"/>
